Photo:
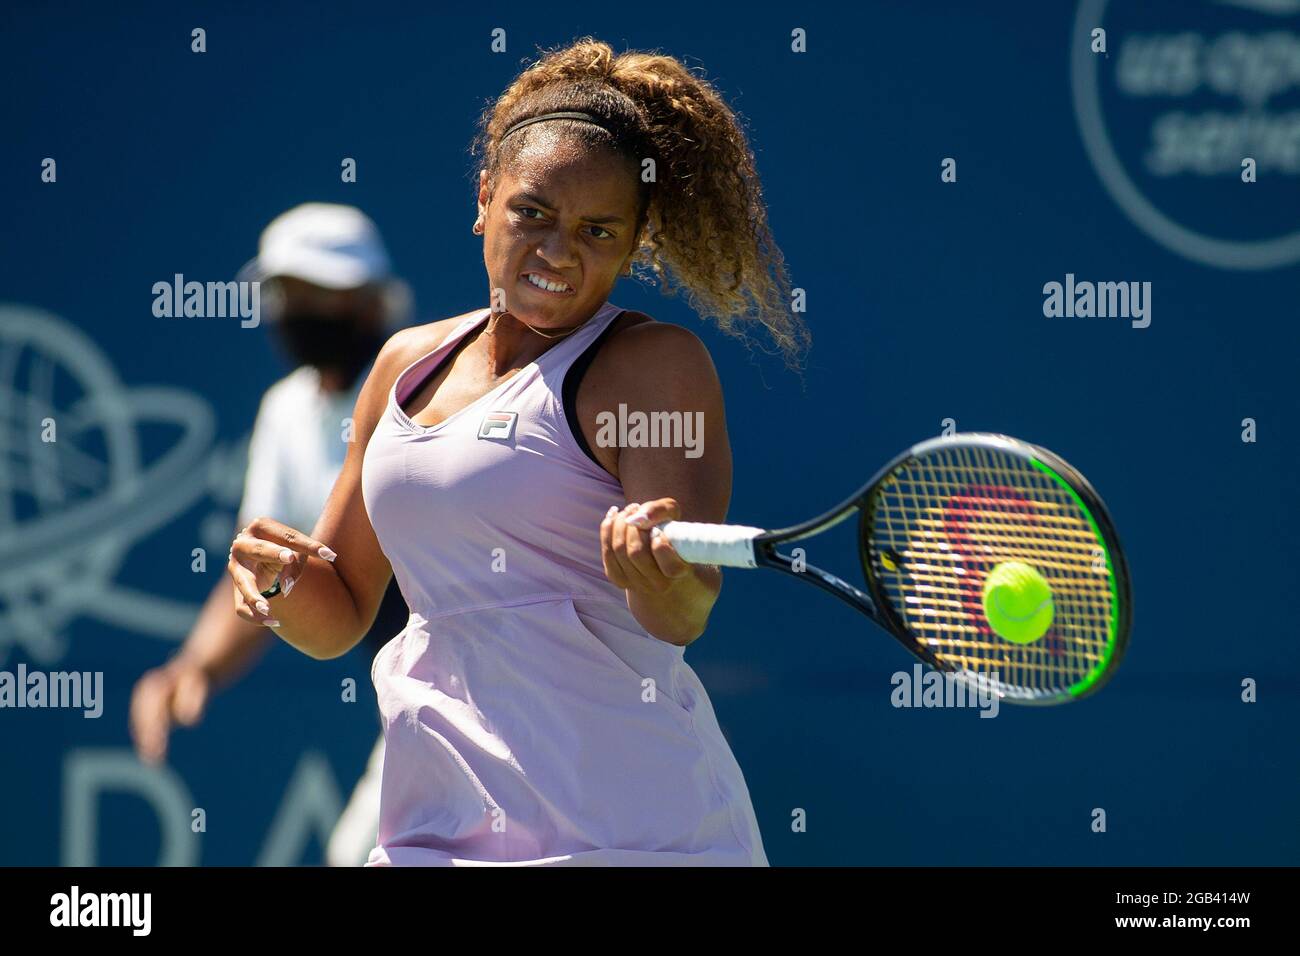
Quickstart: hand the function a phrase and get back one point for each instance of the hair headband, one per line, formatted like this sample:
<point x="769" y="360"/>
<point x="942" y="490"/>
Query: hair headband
<point x="583" y="117"/>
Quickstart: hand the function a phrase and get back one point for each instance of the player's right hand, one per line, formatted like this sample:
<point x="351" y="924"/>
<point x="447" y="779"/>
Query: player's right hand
<point x="177" y="693"/>
<point x="263" y="550"/>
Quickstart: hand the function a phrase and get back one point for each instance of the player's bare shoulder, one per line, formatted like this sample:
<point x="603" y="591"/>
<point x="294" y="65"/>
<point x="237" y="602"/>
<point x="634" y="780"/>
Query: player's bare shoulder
<point x="647" y="366"/>
<point x="406" y="345"/>
<point x="643" y="358"/>
<point x="402" y="348"/>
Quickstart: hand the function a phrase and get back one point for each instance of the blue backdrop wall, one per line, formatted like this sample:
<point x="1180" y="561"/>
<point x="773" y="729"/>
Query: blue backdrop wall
<point x="925" y="299"/>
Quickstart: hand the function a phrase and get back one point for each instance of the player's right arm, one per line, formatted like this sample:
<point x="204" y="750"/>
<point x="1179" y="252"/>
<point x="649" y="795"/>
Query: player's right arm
<point x="331" y="604"/>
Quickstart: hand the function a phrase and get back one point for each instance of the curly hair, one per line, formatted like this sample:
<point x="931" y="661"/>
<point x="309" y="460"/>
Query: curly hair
<point x="702" y="221"/>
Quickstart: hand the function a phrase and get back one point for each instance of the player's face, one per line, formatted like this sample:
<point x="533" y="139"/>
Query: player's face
<point x="564" y="215"/>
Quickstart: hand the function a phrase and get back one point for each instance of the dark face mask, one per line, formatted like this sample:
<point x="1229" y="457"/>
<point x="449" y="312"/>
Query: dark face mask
<point x="342" y="344"/>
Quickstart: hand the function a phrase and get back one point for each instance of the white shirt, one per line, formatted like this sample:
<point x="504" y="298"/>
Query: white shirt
<point x="296" y="452"/>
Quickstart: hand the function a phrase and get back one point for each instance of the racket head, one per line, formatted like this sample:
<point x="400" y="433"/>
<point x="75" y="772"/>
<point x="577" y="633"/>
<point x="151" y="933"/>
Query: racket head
<point x="939" y="518"/>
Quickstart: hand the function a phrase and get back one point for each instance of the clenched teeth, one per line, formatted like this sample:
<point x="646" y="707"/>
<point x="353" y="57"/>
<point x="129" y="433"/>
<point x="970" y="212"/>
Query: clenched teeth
<point x="545" y="284"/>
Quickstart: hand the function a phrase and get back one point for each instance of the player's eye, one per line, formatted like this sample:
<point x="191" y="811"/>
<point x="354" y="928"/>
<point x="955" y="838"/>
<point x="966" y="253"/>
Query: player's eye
<point x="526" y="210"/>
<point x="602" y="229"/>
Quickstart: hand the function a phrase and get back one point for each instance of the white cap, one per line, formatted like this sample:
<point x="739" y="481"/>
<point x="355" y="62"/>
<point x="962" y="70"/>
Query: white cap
<point x="333" y="246"/>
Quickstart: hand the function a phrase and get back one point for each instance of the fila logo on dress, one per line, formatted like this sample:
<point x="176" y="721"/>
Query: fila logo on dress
<point x="498" y="426"/>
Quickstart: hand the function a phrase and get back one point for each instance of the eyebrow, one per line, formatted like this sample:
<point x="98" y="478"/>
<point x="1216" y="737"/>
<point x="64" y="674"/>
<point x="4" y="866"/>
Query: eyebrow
<point x="599" y="220"/>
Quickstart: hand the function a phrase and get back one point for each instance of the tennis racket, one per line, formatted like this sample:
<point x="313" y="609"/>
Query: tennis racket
<point x="933" y="525"/>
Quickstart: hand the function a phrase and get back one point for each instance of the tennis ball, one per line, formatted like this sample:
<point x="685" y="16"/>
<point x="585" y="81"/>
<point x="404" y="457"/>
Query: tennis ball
<point x="1018" y="602"/>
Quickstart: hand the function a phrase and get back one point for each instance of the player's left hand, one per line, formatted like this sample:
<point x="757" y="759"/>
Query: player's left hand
<point x="636" y="555"/>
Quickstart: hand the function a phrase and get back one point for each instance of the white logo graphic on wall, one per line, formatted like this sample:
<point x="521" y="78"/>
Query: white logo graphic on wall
<point x="72" y="509"/>
<point x="1185" y="94"/>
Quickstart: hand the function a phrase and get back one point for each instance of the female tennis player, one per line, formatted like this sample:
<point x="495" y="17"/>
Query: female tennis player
<point x="537" y="706"/>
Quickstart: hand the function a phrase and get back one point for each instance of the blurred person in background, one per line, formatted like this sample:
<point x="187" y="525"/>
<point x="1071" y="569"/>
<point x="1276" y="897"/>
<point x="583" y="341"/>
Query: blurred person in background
<point x="332" y="302"/>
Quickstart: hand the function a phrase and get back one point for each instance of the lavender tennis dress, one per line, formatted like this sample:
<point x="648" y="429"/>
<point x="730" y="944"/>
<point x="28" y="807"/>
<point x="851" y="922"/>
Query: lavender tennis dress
<point x="528" y="717"/>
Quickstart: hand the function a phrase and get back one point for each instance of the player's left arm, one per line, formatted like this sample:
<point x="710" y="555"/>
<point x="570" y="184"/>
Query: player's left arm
<point x="665" y="373"/>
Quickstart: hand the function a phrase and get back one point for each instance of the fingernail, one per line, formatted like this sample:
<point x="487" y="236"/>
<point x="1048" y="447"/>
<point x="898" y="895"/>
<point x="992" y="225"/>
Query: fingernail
<point x="270" y="623"/>
<point x="285" y="556"/>
<point x="655" y="532"/>
<point x="326" y="553"/>
<point x="639" y="520"/>
<point x="287" y="586"/>
<point x="613" y="510"/>
<point x="262" y="607"/>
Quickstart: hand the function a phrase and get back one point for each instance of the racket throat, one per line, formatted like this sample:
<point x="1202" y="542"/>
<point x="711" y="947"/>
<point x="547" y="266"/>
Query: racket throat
<point x="831" y="583"/>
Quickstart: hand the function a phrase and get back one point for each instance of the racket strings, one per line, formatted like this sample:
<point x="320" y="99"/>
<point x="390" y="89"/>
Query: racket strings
<point x="944" y="520"/>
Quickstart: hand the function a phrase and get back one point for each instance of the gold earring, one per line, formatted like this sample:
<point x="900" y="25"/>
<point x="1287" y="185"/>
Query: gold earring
<point x="477" y="229"/>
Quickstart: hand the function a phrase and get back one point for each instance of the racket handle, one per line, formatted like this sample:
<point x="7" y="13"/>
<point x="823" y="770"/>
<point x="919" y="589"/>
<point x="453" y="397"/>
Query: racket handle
<point x="730" y="545"/>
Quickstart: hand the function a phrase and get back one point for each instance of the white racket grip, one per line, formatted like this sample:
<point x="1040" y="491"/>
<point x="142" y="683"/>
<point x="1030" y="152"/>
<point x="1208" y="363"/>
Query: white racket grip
<point x="730" y="545"/>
